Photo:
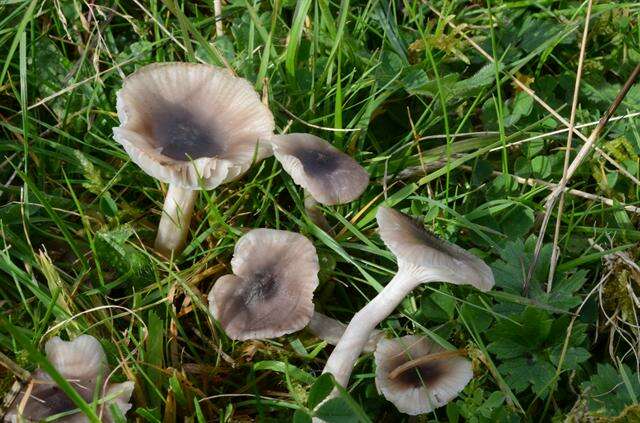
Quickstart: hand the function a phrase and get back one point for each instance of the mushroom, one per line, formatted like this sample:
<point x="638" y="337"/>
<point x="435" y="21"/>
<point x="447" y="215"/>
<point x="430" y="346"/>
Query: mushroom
<point x="270" y="292"/>
<point x="192" y="126"/>
<point x="82" y="363"/>
<point x="422" y="258"/>
<point x="328" y="175"/>
<point x="330" y="330"/>
<point x="417" y="375"/>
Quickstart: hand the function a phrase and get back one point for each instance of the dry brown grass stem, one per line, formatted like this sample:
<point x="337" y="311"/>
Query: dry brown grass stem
<point x="14" y="368"/>
<point x="411" y="172"/>
<point x="533" y="182"/>
<point x="538" y="100"/>
<point x="562" y="131"/>
<point x="567" y="157"/>
<point x="217" y="9"/>
<point x="588" y="141"/>
<point x="582" y="154"/>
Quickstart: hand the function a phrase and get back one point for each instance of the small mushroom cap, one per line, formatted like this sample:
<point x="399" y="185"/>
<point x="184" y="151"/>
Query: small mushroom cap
<point x="121" y="395"/>
<point x="80" y="359"/>
<point x="270" y="293"/>
<point x="192" y="125"/>
<point x="424" y="253"/>
<point x="331" y="176"/>
<point x="82" y="363"/>
<point x="426" y="387"/>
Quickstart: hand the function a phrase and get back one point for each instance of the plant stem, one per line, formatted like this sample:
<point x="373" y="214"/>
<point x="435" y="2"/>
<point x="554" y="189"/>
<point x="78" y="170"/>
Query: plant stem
<point x="174" y="223"/>
<point x="217" y="10"/>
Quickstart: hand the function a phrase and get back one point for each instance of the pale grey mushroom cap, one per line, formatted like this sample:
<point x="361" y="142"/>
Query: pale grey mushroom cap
<point x="192" y="125"/>
<point x="331" y="176"/>
<point x="121" y="397"/>
<point x="426" y="387"/>
<point x="82" y="363"/>
<point x="80" y="359"/>
<point x="270" y="292"/>
<point x="423" y="253"/>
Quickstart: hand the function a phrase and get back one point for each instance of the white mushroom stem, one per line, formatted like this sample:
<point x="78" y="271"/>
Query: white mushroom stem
<point x="342" y="359"/>
<point x="330" y="330"/>
<point x="174" y="223"/>
<point x="423" y="360"/>
<point x="315" y="214"/>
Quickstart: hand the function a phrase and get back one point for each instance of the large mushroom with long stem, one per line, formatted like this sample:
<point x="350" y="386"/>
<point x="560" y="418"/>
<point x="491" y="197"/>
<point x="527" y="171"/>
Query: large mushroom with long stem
<point x="270" y="292"/>
<point x="194" y="127"/>
<point x="417" y="375"/>
<point x="422" y="258"/>
<point x="82" y="363"/>
<point x="328" y="175"/>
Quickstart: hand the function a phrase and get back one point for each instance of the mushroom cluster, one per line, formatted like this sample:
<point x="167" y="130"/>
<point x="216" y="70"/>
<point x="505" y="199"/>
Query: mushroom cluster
<point x="83" y="364"/>
<point x="195" y="127"/>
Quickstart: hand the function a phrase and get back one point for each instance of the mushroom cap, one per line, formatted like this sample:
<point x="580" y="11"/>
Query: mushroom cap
<point x="426" y="387"/>
<point x="121" y="393"/>
<point x="270" y="293"/>
<point x="331" y="176"/>
<point x="82" y="363"/>
<point x="192" y="125"/>
<point x="80" y="359"/>
<point x="423" y="253"/>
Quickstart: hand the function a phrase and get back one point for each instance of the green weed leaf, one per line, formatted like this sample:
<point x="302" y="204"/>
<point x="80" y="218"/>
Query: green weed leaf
<point x="337" y="410"/>
<point x="606" y="392"/>
<point x="320" y="389"/>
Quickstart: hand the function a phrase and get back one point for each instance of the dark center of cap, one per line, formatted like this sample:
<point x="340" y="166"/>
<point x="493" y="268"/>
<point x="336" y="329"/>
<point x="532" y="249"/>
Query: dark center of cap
<point x="48" y="400"/>
<point x="426" y="374"/>
<point x="249" y="305"/>
<point x="263" y="286"/>
<point x="317" y="162"/>
<point x="182" y="136"/>
<point x="57" y="400"/>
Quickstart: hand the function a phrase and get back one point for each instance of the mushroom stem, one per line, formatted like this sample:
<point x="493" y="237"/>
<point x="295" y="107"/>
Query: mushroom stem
<point x="346" y="352"/>
<point x="330" y="330"/>
<point x="174" y="223"/>
<point x="315" y="214"/>
<point x="423" y="360"/>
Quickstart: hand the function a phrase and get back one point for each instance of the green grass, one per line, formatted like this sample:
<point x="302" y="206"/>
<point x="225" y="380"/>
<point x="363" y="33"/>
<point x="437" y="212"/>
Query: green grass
<point x="444" y="133"/>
